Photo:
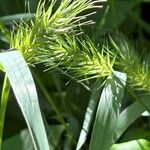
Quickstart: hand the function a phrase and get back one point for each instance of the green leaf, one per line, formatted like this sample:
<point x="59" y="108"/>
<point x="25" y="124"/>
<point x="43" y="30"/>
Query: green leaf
<point x="116" y="15"/>
<point x="89" y="114"/>
<point x="1" y="67"/>
<point x="54" y="135"/>
<point x="3" y="106"/>
<point x="25" y="92"/>
<point x="130" y="114"/>
<point x="22" y="141"/>
<point x="135" y="133"/>
<point x="140" y="144"/>
<point x="9" y="19"/>
<point x="108" y="112"/>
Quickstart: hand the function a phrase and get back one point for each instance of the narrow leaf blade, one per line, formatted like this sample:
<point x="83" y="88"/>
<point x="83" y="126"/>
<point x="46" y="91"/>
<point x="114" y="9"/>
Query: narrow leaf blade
<point x="130" y="114"/>
<point x="89" y="114"/>
<point x="23" y="141"/>
<point x="16" y="17"/>
<point x="108" y="112"/>
<point x="25" y="92"/>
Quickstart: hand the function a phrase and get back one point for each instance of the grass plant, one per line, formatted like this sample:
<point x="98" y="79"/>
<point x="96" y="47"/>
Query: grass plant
<point x="54" y="39"/>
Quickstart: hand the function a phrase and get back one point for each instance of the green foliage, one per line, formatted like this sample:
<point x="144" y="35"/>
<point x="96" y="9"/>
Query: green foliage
<point x="11" y="18"/>
<point x="131" y="113"/>
<point x="84" y="59"/>
<point x="108" y="112"/>
<point x="25" y="92"/>
<point x="78" y="60"/>
<point x="4" y="100"/>
<point x="47" y="27"/>
<point x="54" y="132"/>
<point x="89" y="114"/>
<point x="134" y="145"/>
<point x="136" y="69"/>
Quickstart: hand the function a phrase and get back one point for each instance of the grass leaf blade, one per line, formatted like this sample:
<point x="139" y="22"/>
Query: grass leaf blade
<point x="24" y="89"/>
<point x="3" y="106"/>
<point x="89" y="114"/>
<point x="10" y="19"/>
<point x="108" y="112"/>
<point x="130" y="114"/>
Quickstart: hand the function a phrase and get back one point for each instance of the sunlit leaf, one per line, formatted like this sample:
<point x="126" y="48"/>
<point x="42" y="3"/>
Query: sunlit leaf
<point x="89" y="114"/>
<point x="25" y="92"/>
<point x="108" y="112"/>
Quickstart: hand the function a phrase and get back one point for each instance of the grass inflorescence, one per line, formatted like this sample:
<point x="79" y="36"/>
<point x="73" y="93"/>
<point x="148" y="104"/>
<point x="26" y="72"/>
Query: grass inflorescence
<point x="47" y="26"/>
<point x="128" y="61"/>
<point x="51" y="38"/>
<point x="79" y="56"/>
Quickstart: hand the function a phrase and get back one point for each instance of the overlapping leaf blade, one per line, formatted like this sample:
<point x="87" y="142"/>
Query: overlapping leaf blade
<point x="16" y="18"/>
<point x="22" y="141"/>
<point x="130" y="114"/>
<point x="24" y="89"/>
<point x="89" y="114"/>
<point x="108" y="112"/>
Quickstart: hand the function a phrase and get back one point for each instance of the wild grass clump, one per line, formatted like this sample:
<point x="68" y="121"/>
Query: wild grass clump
<point x="54" y="38"/>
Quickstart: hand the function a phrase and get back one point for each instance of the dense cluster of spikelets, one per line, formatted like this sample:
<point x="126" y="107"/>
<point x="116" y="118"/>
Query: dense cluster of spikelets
<point x="127" y="61"/>
<point x="51" y="39"/>
<point x="47" y="26"/>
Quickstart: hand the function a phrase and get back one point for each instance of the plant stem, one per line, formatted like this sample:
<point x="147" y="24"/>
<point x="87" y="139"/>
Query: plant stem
<point x="3" y="105"/>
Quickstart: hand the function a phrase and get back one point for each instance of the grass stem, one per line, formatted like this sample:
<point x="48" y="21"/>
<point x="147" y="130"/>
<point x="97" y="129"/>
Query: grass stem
<point x="3" y="106"/>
